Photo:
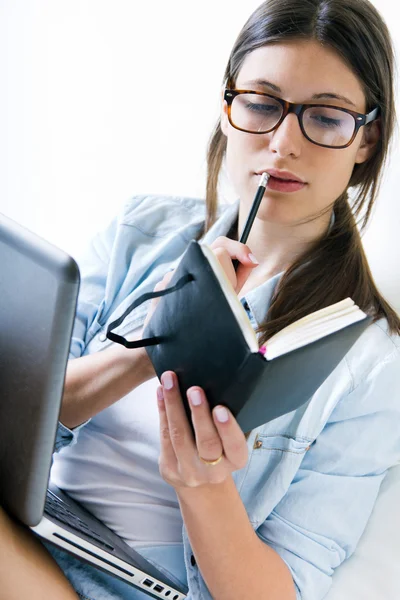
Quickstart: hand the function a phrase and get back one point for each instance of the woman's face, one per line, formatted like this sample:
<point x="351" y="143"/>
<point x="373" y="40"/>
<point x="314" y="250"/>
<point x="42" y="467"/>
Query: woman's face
<point x="301" y="70"/>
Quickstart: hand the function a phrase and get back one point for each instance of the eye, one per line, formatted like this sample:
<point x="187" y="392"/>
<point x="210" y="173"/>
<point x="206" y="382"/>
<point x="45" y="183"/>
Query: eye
<point x="326" y="122"/>
<point x="268" y="109"/>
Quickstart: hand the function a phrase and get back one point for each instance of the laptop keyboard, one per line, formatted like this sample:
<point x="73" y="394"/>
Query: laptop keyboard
<point x="57" y="509"/>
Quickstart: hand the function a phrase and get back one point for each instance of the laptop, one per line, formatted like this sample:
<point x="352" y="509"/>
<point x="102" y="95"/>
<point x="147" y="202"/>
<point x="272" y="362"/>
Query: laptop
<point x="38" y="292"/>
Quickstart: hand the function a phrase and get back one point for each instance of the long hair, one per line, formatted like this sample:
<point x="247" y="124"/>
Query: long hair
<point x="336" y="266"/>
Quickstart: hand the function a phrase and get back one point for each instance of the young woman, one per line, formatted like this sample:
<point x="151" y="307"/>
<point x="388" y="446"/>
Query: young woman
<point x="308" y="98"/>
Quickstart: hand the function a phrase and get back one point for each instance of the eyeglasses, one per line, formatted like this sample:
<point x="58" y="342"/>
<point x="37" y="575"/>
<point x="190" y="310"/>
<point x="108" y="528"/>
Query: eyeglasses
<point x="322" y="124"/>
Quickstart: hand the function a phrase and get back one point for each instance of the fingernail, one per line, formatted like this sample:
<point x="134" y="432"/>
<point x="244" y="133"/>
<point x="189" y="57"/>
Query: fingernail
<point x="167" y="381"/>
<point x="253" y="259"/>
<point x="195" y="397"/>
<point x="160" y="394"/>
<point x="222" y="414"/>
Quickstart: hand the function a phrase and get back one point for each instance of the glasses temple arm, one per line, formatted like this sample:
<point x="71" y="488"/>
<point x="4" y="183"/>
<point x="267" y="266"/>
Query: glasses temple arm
<point x="372" y="115"/>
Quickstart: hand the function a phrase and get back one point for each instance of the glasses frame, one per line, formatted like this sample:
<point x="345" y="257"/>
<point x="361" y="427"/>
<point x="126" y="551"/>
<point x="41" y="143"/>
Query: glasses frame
<point x="298" y="109"/>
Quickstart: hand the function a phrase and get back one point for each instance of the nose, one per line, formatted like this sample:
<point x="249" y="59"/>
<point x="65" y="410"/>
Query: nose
<point x="287" y="139"/>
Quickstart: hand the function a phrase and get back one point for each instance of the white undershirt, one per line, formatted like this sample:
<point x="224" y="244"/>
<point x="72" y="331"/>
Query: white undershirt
<point x="113" y="471"/>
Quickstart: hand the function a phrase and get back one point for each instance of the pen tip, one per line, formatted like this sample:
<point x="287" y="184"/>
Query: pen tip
<point x="264" y="179"/>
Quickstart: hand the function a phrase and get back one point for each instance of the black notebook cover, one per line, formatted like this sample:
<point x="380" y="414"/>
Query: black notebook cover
<point x="204" y="345"/>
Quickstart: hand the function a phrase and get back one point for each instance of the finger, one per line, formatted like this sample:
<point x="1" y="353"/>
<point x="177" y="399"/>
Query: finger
<point x="233" y="439"/>
<point x="235" y="249"/>
<point x="238" y="277"/>
<point x="208" y="441"/>
<point x="153" y="304"/>
<point x="227" y="250"/>
<point x="179" y="428"/>
<point x="167" y="451"/>
<point x="161" y="285"/>
<point x="167" y="277"/>
<point x="157" y="288"/>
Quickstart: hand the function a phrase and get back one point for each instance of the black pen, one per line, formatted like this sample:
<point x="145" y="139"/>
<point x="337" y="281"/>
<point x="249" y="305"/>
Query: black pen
<point x="252" y="214"/>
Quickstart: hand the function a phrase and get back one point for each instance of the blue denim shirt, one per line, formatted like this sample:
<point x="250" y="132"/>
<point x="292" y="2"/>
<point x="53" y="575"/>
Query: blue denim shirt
<point x="312" y="475"/>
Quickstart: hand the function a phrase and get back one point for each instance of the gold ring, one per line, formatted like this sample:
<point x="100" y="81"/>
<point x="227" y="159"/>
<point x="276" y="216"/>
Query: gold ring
<point x="211" y="462"/>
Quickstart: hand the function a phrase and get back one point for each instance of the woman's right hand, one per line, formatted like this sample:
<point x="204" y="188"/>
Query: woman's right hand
<point x="227" y="250"/>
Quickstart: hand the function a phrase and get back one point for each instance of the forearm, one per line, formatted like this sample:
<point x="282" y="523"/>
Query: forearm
<point x="234" y="562"/>
<point x="96" y="381"/>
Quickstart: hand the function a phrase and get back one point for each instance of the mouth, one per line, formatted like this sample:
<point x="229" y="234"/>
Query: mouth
<point x="282" y="175"/>
<point x="283" y="181"/>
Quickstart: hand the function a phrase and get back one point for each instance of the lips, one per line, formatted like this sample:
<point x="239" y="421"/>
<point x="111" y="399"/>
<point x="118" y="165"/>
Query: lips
<point x="282" y="175"/>
<point x="284" y="181"/>
<point x="284" y="185"/>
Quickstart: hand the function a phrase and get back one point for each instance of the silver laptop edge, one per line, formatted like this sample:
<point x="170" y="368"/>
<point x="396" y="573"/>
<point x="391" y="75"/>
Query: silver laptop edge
<point x="80" y="547"/>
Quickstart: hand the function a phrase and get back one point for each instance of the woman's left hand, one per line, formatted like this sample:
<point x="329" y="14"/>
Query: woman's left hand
<point x="180" y="459"/>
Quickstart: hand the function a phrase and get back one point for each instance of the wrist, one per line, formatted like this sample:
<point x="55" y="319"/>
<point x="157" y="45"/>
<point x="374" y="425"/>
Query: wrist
<point x="134" y="360"/>
<point x="188" y="494"/>
<point x="146" y="364"/>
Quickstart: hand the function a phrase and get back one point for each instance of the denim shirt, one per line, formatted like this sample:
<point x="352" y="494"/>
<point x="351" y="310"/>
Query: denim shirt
<point x="312" y="475"/>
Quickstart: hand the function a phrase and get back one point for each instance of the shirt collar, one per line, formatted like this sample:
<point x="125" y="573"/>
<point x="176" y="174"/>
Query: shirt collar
<point x="229" y="213"/>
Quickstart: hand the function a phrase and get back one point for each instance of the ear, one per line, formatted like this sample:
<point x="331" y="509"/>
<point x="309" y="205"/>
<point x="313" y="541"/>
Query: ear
<point x="224" y="115"/>
<point x="371" y="135"/>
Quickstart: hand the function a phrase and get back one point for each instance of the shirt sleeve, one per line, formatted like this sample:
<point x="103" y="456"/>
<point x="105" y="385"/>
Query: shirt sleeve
<point x="66" y="436"/>
<point x="319" y="521"/>
<point x="94" y="268"/>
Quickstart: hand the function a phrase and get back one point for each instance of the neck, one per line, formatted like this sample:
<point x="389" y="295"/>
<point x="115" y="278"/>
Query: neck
<point x="276" y="246"/>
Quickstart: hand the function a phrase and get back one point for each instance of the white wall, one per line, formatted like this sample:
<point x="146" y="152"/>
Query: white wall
<point x="95" y="107"/>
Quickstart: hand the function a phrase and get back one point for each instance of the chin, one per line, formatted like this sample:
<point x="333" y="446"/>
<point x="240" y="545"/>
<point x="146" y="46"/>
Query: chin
<point x="277" y="209"/>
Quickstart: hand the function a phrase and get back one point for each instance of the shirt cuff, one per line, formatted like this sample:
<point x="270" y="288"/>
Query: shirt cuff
<point x="66" y="436"/>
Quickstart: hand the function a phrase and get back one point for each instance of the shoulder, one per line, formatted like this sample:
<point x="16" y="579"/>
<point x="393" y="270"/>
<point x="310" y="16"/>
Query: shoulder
<point x="373" y="370"/>
<point x="156" y="214"/>
<point x="143" y="219"/>
<point x="376" y="350"/>
<point x="366" y="381"/>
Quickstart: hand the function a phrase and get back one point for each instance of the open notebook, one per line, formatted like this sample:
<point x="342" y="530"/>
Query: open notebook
<point x="201" y="331"/>
<point x="300" y="333"/>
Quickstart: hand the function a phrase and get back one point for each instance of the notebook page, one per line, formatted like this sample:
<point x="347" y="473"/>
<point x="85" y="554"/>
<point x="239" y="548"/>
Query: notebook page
<point x="295" y="341"/>
<point x="328" y="310"/>
<point x="306" y="324"/>
<point x="231" y="296"/>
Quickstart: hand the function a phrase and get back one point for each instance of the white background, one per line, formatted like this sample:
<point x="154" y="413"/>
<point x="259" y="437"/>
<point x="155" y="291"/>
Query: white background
<point x="101" y="100"/>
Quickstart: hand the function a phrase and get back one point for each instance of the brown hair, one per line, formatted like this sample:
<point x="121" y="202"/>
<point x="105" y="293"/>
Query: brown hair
<point x="336" y="266"/>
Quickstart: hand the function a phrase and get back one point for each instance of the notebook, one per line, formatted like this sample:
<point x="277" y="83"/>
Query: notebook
<point x="201" y="331"/>
<point x="39" y="286"/>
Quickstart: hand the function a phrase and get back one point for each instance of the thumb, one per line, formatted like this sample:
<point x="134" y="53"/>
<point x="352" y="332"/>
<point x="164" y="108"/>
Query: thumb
<point x="161" y="285"/>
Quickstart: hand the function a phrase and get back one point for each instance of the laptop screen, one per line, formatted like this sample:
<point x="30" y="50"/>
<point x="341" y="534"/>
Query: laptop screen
<point x="38" y="292"/>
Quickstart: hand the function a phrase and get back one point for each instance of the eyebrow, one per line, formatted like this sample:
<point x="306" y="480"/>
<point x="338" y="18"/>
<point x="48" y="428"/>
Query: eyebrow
<point x="275" y="88"/>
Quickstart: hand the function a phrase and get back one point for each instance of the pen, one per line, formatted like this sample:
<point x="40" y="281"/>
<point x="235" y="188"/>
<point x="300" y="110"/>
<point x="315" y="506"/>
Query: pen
<point x="252" y="214"/>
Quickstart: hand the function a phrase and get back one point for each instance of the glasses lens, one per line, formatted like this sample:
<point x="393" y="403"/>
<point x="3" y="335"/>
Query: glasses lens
<point x="328" y="126"/>
<point x="255" y="113"/>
